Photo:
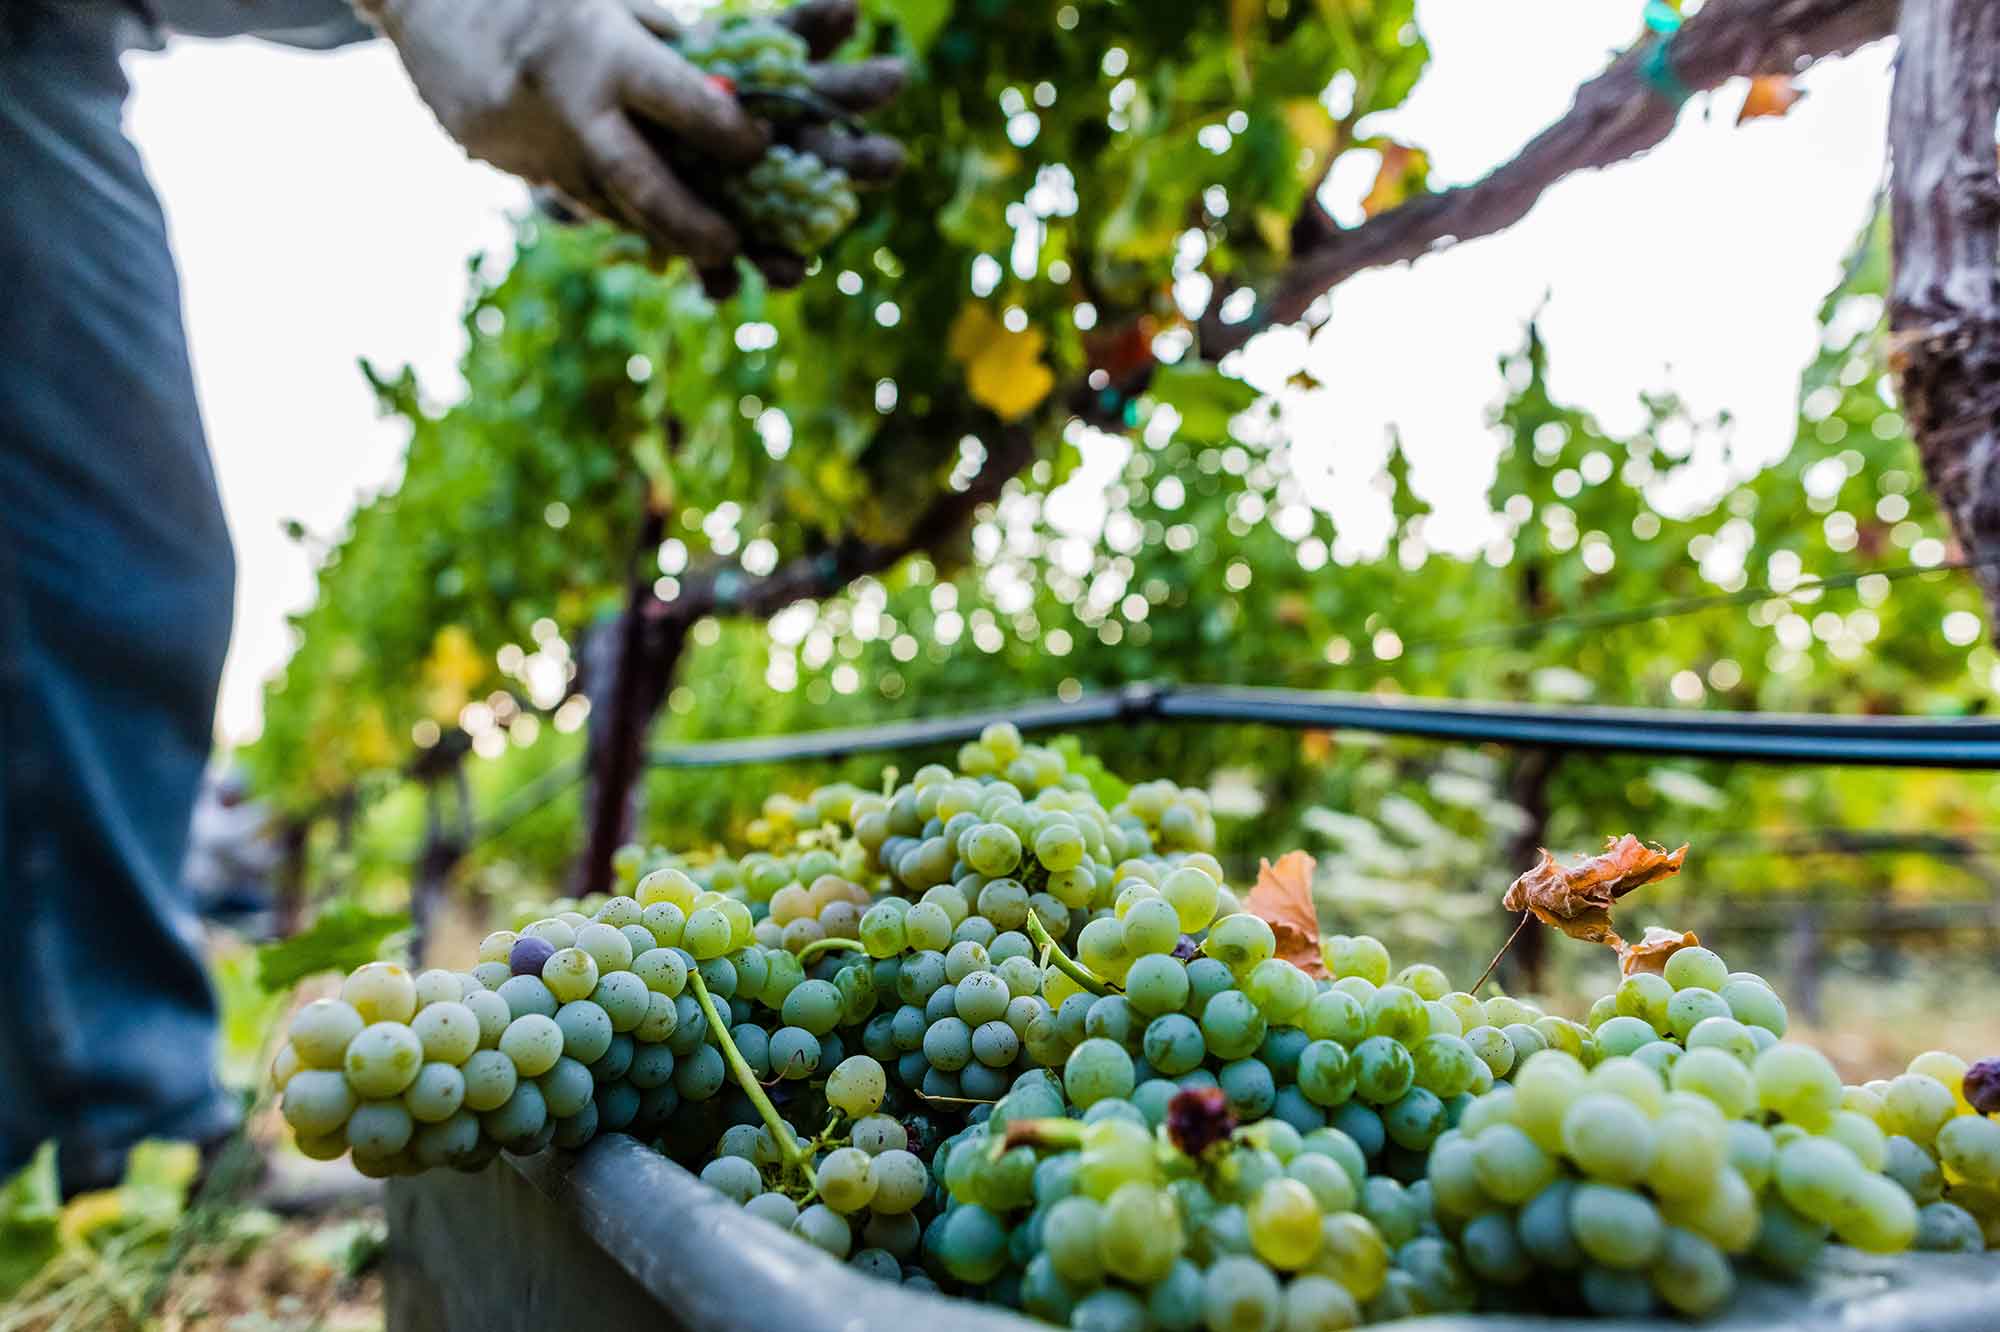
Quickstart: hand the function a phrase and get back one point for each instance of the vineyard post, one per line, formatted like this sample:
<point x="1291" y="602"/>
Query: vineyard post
<point x="626" y="679"/>
<point x="1944" y="299"/>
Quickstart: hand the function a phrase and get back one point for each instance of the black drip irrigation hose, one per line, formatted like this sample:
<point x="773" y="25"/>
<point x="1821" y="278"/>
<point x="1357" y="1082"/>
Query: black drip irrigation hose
<point x="1908" y="742"/>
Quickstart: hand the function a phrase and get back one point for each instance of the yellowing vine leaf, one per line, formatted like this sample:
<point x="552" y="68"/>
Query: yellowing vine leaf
<point x="1003" y="369"/>
<point x="1283" y="897"/>
<point x="1577" y="899"/>
<point x="1770" y="95"/>
<point x="452" y="669"/>
<point x="1402" y="174"/>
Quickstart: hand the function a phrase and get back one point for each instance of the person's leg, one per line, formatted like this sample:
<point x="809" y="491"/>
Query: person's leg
<point x="116" y="580"/>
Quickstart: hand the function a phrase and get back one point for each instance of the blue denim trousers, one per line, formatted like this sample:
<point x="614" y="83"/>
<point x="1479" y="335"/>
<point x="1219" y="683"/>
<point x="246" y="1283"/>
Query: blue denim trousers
<point x="116" y="581"/>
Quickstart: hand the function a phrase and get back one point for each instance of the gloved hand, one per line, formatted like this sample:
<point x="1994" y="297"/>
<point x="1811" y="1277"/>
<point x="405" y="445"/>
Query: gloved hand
<point x="564" y="92"/>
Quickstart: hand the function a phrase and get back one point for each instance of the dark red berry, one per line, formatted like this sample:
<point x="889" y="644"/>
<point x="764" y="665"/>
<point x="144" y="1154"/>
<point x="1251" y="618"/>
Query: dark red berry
<point x="530" y="955"/>
<point x="722" y="83"/>
<point x="1982" y="1086"/>
<point x="1186" y="949"/>
<point x="1198" y="1118"/>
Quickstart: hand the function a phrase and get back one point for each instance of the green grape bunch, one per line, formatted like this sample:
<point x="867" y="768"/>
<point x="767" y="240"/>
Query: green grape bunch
<point x="754" y="54"/>
<point x="790" y="199"/>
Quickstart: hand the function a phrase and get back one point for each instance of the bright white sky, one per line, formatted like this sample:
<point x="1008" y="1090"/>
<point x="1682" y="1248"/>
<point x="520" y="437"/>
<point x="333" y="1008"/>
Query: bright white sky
<point x="321" y="216"/>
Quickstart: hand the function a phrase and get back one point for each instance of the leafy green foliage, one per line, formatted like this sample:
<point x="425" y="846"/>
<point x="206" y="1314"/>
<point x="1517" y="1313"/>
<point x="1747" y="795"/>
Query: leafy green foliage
<point x="30" y="1206"/>
<point x="341" y="938"/>
<point x="1069" y="164"/>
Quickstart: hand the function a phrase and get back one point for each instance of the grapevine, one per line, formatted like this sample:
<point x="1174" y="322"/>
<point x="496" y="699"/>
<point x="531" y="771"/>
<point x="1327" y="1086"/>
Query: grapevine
<point x="985" y="1034"/>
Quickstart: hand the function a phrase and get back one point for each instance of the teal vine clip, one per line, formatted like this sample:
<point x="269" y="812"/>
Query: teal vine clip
<point x="1663" y="20"/>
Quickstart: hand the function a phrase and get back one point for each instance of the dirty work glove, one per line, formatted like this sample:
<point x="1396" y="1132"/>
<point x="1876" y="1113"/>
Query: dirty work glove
<point x="560" y="92"/>
<point x="567" y="94"/>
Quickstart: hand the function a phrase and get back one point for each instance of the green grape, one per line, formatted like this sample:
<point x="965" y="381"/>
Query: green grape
<point x="1326" y="1074"/>
<point x="1193" y="894"/>
<point x="1317" y="1304"/>
<point x="856" y="1086"/>
<point x="1383" y="1069"/>
<point x="824" y="1229"/>
<point x="1240" y="1295"/>
<point x="378" y="1129"/>
<point x="1621" y="1035"/>
<point x="845" y="1179"/>
<point x="1944" y="1227"/>
<point x="1173" y="1044"/>
<point x="1970" y="1146"/>
<point x="1280" y="990"/>
<point x="1325" y="1178"/>
<point x="1754" y="1005"/>
<point x="1788" y="1242"/>
<point x="1232" y="1024"/>
<point x="1879" y="1218"/>
<point x="1695" y="968"/>
<point x="585" y="1028"/>
<point x="382" y="1059"/>
<point x="1490" y="1044"/>
<point x="380" y="992"/>
<point x="1797" y="1082"/>
<point x="1818" y="1177"/>
<point x="1139" y="1232"/>
<point x="1070" y="1238"/>
<point x="1608" y="1137"/>
<point x="1334" y="1015"/>
<point x="1645" y="996"/>
<point x="320" y="1032"/>
<point x="1150" y="926"/>
<point x="1860" y="1135"/>
<point x="1690" y="1007"/>
<point x="1493" y="1250"/>
<point x="1157" y="983"/>
<point x="1511" y="1166"/>
<point x="1240" y="942"/>
<point x="1721" y="1077"/>
<point x="1415" y="1121"/>
<point x="318" y="1102"/>
<point x="1356" y="955"/>
<point x="1615" y="1227"/>
<point x="1445" y="1065"/>
<point x="1724" y="1213"/>
<point x="1915" y="1106"/>
<point x="1096" y="1070"/>
<point x="570" y="974"/>
<point x="1397" y="1013"/>
<point x="1545" y="1230"/>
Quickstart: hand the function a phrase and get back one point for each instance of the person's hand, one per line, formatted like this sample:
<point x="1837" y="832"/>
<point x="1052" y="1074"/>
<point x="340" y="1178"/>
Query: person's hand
<point x="567" y="94"/>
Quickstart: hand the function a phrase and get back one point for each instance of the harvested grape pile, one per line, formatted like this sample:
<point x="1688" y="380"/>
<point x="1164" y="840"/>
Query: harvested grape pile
<point x="984" y="1034"/>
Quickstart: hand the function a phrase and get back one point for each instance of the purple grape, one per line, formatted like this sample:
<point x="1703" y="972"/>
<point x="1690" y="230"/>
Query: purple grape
<point x="1198" y="1118"/>
<point x="1982" y="1086"/>
<point x="529" y="956"/>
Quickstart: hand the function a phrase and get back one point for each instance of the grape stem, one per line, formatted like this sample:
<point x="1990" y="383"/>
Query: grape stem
<point x="812" y="950"/>
<point x="795" y="1154"/>
<point x="1059" y="1133"/>
<point x="1526" y="916"/>
<point x="1066" y="964"/>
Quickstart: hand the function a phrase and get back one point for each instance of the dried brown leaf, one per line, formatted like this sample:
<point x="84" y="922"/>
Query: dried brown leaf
<point x="1577" y="899"/>
<point x="1283" y="897"/>
<point x="1655" y="946"/>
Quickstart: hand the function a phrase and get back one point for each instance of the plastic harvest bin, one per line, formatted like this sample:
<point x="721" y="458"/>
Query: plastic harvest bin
<point x="618" y="1237"/>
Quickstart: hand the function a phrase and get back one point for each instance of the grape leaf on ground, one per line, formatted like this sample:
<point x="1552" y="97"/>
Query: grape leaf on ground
<point x="1283" y="897"/>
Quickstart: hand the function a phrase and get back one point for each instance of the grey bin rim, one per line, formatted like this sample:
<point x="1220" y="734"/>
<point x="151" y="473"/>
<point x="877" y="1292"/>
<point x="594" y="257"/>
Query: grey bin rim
<point x="720" y="1269"/>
